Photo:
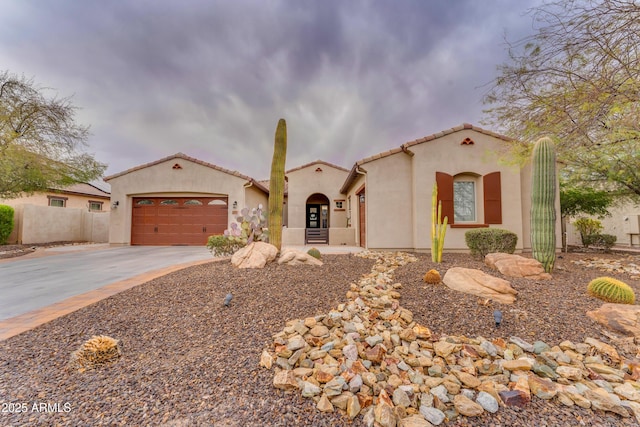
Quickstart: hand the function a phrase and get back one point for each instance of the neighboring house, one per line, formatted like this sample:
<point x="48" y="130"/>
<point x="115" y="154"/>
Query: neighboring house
<point x="84" y="215"/>
<point x="81" y="196"/>
<point x="383" y="202"/>
<point x="624" y="223"/>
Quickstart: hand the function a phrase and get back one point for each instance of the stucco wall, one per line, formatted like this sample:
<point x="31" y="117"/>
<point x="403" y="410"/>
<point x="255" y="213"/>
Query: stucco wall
<point x="162" y="179"/>
<point x="304" y="182"/>
<point x="399" y="192"/>
<point x="616" y="224"/>
<point x="74" y="201"/>
<point x="44" y="224"/>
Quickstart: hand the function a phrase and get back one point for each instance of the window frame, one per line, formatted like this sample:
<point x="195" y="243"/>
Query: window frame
<point x="95" y="202"/>
<point x="466" y="179"/>
<point x="57" y="199"/>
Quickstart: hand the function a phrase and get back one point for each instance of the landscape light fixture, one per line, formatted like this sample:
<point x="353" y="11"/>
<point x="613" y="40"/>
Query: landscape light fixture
<point x="115" y="204"/>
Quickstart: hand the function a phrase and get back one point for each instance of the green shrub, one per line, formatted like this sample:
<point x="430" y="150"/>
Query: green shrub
<point x="6" y="223"/>
<point x="314" y="253"/>
<point x="605" y="241"/>
<point x="587" y="227"/>
<point x="484" y="241"/>
<point x="220" y="245"/>
<point x="611" y="290"/>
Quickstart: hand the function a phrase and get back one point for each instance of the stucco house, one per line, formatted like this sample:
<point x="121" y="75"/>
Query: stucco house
<point x="80" y="196"/>
<point x="382" y="202"/>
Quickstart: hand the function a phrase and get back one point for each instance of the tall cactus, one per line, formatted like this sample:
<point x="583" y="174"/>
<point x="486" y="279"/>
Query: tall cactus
<point x="276" y="185"/>
<point x="543" y="203"/>
<point x="438" y="227"/>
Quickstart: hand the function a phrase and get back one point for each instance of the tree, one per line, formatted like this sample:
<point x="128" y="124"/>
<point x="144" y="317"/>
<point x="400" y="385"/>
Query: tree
<point x="575" y="201"/>
<point x="40" y="142"/>
<point x="578" y="79"/>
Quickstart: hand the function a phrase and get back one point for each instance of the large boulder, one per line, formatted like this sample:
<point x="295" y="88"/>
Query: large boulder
<point x="516" y="266"/>
<point x="476" y="282"/>
<point x="254" y="255"/>
<point x="295" y="257"/>
<point x="621" y="318"/>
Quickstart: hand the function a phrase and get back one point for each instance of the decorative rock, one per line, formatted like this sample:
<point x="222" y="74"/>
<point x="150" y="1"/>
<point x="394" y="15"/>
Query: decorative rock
<point x="478" y="283"/>
<point x="444" y="348"/>
<point x="383" y="412"/>
<point x="296" y="342"/>
<point x="291" y="256"/>
<point x="570" y="373"/>
<point x="540" y="347"/>
<point x="266" y="359"/>
<point x="542" y="387"/>
<point x="400" y="398"/>
<point x="319" y="331"/>
<point x="621" y="318"/>
<point x="350" y="352"/>
<point x="601" y="399"/>
<point x="467" y="379"/>
<point x="516" y="266"/>
<point x="414" y="421"/>
<point x="375" y="354"/>
<point x="467" y="407"/>
<point x="522" y="344"/>
<point x="285" y="380"/>
<point x="434" y="415"/>
<point x="627" y="391"/>
<point x="515" y="398"/>
<point x="353" y="407"/>
<point x="254" y="255"/>
<point x="441" y="393"/>
<point x="310" y="389"/>
<point x="488" y="402"/>
<point x="604" y="349"/>
<point x="324" y="405"/>
<point x="523" y="364"/>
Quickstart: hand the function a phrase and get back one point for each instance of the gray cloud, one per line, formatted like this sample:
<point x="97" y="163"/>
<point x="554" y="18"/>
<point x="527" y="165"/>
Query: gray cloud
<point x="211" y="79"/>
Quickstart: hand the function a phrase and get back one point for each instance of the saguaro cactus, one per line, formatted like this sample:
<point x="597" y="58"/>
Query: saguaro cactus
<point x="438" y="227"/>
<point x="276" y="185"/>
<point x="543" y="203"/>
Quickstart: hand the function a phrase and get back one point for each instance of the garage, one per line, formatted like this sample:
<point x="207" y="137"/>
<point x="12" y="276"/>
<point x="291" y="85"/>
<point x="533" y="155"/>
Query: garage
<point x="170" y="221"/>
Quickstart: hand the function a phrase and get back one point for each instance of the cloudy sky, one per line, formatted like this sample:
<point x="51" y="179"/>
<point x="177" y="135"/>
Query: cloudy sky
<point x="211" y="78"/>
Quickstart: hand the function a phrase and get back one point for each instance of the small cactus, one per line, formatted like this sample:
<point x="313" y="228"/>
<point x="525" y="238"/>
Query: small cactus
<point x="314" y="253"/>
<point x="98" y="350"/>
<point x="432" y="277"/>
<point x="611" y="290"/>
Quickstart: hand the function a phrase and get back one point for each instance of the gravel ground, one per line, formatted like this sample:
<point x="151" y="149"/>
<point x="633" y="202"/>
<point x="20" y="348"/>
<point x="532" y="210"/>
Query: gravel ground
<point x="189" y="361"/>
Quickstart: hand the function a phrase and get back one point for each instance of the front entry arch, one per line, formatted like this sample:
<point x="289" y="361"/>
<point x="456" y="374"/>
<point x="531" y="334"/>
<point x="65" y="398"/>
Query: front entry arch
<point x="317" y="219"/>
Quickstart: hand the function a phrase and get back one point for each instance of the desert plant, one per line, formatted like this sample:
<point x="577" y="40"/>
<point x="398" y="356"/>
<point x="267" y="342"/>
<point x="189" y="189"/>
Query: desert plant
<point x="6" y="223"/>
<point x="587" y="227"/>
<point x="438" y="227"/>
<point x="276" y="184"/>
<point x="483" y="241"/>
<point x="250" y="227"/>
<point x="432" y="277"/>
<point x="611" y="290"/>
<point x="543" y="203"/>
<point x="314" y="253"/>
<point x="98" y="350"/>
<point x="604" y="241"/>
<point x="220" y="245"/>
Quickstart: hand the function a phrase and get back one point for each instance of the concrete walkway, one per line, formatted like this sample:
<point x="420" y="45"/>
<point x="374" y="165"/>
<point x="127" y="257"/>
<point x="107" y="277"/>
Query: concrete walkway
<point x="53" y="282"/>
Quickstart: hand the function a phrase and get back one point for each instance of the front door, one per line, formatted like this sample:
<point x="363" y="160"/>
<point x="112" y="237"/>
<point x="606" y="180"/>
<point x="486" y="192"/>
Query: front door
<point x="362" y="219"/>
<point x="313" y="216"/>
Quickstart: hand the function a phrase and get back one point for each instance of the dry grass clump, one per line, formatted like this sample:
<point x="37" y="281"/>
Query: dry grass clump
<point x="97" y="351"/>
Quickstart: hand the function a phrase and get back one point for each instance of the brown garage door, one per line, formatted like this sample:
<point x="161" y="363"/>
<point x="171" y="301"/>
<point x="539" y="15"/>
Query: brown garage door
<point x="177" y="220"/>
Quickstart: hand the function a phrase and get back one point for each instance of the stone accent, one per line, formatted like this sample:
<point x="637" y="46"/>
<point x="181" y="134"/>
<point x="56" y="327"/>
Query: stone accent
<point x="516" y="266"/>
<point x="621" y="318"/>
<point x="476" y="282"/>
<point x="254" y="255"/>
<point x="369" y="357"/>
<point x="295" y="257"/>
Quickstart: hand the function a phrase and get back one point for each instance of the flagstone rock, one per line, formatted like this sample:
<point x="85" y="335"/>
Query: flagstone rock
<point x="434" y="415"/>
<point x="476" y="282"/>
<point x="542" y="387"/>
<point x="292" y="256"/>
<point x="516" y="266"/>
<point x="467" y="407"/>
<point x="488" y="402"/>
<point x="620" y="318"/>
<point x="415" y="421"/>
<point x="627" y="391"/>
<point x="605" y="401"/>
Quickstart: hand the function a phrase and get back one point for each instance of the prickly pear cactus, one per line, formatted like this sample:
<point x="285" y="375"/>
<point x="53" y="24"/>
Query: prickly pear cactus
<point x="543" y="203"/>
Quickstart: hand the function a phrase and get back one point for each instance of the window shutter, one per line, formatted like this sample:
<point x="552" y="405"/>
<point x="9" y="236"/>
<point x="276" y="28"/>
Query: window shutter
<point x="492" y="198"/>
<point x="445" y="194"/>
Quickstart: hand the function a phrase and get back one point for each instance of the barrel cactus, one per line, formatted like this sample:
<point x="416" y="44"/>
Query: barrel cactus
<point x="314" y="253"/>
<point x="276" y="185"/>
<point x="543" y="203"/>
<point x="611" y="290"/>
<point x="432" y="277"/>
<point x="97" y="351"/>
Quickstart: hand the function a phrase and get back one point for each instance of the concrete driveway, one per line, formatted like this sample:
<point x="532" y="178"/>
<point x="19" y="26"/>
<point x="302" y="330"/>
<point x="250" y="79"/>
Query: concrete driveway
<point x="55" y="274"/>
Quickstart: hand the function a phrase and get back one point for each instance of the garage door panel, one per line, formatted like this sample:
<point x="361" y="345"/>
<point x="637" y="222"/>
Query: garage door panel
<point x="177" y="220"/>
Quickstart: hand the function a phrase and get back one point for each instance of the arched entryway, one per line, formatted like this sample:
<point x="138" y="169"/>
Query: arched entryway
<point x="317" y="219"/>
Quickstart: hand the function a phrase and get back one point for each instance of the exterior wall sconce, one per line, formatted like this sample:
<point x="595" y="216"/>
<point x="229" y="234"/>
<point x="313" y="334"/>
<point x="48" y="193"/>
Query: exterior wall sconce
<point x="235" y="205"/>
<point x="115" y="204"/>
<point x="362" y="198"/>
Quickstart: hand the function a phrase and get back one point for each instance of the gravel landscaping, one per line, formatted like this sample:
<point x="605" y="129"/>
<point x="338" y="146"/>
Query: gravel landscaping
<point x="189" y="361"/>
